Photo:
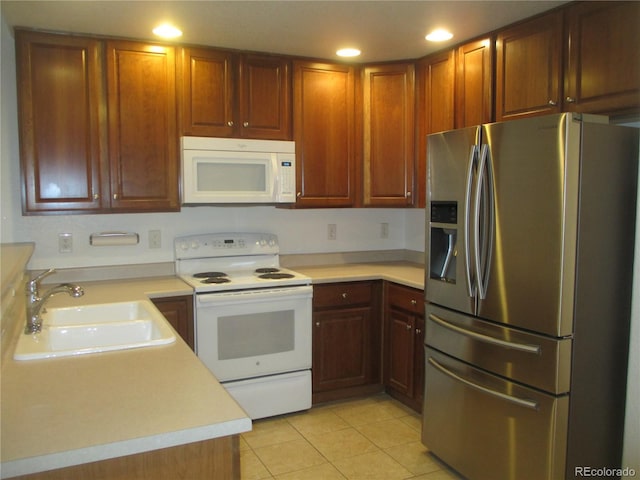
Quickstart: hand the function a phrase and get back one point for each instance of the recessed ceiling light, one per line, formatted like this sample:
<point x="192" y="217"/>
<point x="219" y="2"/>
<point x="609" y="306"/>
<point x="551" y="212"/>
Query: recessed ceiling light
<point x="167" y="31"/>
<point x="348" y="52"/>
<point x="439" y="35"/>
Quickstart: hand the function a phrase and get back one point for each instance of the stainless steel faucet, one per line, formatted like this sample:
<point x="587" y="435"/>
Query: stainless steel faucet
<point x="35" y="301"/>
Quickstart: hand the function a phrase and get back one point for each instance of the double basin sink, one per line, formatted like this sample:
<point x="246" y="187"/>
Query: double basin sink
<point x="95" y="328"/>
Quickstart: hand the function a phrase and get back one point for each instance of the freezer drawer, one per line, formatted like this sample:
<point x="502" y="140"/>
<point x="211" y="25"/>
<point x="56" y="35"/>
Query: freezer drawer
<point x="536" y="360"/>
<point x="489" y="428"/>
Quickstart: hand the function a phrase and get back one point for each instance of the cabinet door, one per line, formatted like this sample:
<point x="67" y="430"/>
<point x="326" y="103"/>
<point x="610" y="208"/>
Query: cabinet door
<point x="341" y="354"/>
<point x="474" y="91"/>
<point x="388" y="135"/>
<point x="62" y="142"/>
<point x="399" y="363"/>
<point x="265" y="97"/>
<point x="435" y="91"/>
<point x="529" y="68"/>
<point x="324" y="129"/>
<point x="207" y="92"/>
<point x="143" y="141"/>
<point x="603" y="70"/>
<point x="418" y="361"/>
<point x="179" y="313"/>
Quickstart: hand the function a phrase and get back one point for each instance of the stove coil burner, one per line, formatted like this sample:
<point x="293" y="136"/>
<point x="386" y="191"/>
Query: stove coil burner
<point x="275" y="276"/>
<point x="212" y="277"/>
<point x="267" y="270"/>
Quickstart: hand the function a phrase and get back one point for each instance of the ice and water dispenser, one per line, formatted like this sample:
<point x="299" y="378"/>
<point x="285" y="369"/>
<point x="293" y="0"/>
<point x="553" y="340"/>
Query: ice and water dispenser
<point x="444" y="236"/>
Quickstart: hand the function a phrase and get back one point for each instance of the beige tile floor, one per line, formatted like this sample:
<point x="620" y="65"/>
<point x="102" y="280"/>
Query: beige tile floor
<point x="363" y="439"/>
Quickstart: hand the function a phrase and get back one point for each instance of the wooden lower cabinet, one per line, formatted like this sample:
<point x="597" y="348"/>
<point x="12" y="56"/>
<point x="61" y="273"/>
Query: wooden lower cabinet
<point x="215" y="459"/>
<point x="179" y="312"/>
<point x="346" y="340"/>
<point x="404" y="344"/>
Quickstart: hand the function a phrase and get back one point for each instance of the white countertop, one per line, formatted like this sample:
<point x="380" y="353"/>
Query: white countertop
<point x="68" y="411"/>
<point x="404" y="273"/>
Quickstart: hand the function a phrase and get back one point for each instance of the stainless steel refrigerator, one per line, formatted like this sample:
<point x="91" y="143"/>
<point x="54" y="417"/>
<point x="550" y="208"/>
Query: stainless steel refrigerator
<point x="529" y="246"/>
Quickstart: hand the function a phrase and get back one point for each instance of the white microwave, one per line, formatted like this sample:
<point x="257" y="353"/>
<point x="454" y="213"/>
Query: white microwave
<point x="232" y="170"/>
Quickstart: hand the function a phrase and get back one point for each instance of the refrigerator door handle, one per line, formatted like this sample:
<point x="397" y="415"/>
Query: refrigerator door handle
<point x="522" y="402"/>
<point x="483" y="252"/>
<point x="467" y="222"/>
<point x="522" y="347"/>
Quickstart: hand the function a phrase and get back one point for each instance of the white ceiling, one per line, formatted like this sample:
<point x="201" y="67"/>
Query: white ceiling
<point x="383" y="30"/>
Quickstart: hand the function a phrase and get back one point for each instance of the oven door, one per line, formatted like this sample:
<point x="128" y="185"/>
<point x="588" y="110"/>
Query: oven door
<point x="251" y="333"/>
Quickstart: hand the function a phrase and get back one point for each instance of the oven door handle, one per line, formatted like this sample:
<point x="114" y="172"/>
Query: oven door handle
<point x="250" y="296"/>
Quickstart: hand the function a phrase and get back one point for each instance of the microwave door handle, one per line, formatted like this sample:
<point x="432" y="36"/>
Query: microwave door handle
<point x="275" y="181"/>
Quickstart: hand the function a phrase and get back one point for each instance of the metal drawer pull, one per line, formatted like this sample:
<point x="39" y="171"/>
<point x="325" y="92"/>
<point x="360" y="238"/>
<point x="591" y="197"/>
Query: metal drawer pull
<point x="523" y="347"/>
<point x="503" y="396"/>
<point x="344" y="295"/>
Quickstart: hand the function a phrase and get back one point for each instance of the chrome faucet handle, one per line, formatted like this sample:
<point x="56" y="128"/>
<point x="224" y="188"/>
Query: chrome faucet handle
<point x="32" y="286"/>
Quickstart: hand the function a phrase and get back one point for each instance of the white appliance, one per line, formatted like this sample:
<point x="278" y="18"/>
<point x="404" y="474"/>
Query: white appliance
<point x="231" y="170"/>
<point x="252" y="319"/>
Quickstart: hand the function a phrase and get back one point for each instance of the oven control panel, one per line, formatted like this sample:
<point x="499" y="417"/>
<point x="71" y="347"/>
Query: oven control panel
<point x="225" y="245"/>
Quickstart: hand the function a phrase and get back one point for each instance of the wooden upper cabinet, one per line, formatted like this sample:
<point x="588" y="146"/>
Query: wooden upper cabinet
<point x="474" y="88"/>
<point x="223" y="94"/>
<point x="388" y="134"/>
<point x="143" y="140"/>
<point x="435" y="97"/>
<point x="61" y="138"/>
<point x="265" y="97"/>
<point x="324" y="129"/>
<point x="529" y="68"/>
<point x="603" y="63"/>
<point x="207" y="92"/>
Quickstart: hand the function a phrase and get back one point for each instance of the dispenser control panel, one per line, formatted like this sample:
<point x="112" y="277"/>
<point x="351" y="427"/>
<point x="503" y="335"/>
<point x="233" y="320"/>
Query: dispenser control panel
<point x="444" y="212"/>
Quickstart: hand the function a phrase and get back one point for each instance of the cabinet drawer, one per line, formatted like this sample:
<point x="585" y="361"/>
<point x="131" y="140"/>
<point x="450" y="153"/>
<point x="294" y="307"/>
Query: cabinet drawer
<point x="406" y="298"/>
<point x="342" y="294"/>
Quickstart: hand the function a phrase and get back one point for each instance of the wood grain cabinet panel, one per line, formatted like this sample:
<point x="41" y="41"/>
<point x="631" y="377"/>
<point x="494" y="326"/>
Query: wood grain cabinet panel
<point x="603" y="64"/>
<point x="388" y="131"/>
<point x="474" y="83"/>
<point x="224" y="94"/>
<point x="404" y="344"/>
<point x="143" y="146"/>
<point x="93" y="142"/>
<point x="346" y="340"/>
<point x="179" y="313"/>
<point x="529" y="68"/>
<point x="62" y="139"/>
<point x="324" y="129"/>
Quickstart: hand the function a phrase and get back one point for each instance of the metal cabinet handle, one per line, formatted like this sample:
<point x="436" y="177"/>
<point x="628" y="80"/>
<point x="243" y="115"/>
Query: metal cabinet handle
<point x="570" y="100"/>
<point x="115" y="196"/>
<point x="413" y="302"/>
<point x="522" y="402"/>
<point x="408" y="194"/>
<point x="553" y="103"/>
<point x="344" y="295"/>
<point x="409" y="327"/>
<point x="96" y="196"/>
<point x="418" y="331"/>
<point x="245" y="124"/>
<point x="523" y="347"/>
<point x="230" y="123"/>
<point x="299" y="194"/>
<point x="317" y="324"/>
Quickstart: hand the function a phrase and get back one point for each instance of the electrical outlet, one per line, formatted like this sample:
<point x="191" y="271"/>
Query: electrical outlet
<point x="384" y="230"/>
<point x="65" y="242"/>
<point x="331" y="231"/>
<point x="155" y="239"/>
